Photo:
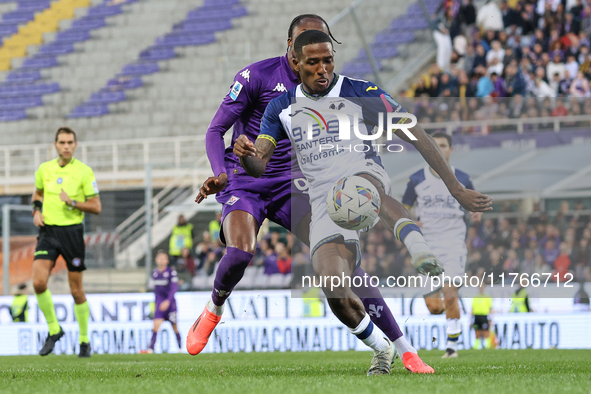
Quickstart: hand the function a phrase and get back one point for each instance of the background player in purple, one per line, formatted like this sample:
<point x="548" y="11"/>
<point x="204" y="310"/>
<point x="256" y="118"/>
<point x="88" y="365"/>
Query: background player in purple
<point x="165" y="286"/>
<point x="248" y="201"/>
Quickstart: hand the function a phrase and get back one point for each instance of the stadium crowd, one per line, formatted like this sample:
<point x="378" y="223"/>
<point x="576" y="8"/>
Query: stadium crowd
<point x="542" y="243"/>
<point x="555" y="243"/>
<point x="522" y="59"/>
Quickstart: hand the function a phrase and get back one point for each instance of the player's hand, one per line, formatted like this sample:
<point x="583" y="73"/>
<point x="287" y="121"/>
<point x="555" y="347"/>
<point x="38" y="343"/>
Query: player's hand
<point x="243" y="147"/>
<point x="38" y="219"/>
<point x="473" y="201"/>
<point x="476" y="216"/>
<point x="65" y="198"/>
<point x="164" y="305"/>
<point x="212" y="185"/>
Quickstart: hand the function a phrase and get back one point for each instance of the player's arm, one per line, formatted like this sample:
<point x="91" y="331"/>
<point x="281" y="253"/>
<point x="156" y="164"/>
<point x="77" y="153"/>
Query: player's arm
<point x="471" y="200"/>
<point x="91" y="205"/>
<point x="37" y="199"/>
<point x="255" y="157"/>
<point x="234" y="104"/>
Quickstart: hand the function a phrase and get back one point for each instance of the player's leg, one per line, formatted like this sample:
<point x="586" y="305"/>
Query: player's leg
<point x="434" y="302"/>
<point x="291" y="209"/>
<point x="175" y="328"/>
<point x="453" y="327"/>
<point x="41" y="273"/>
<point x="397" y="218"/>
<point x="239" y="229"/>
<point x="332" y="260"/>
<point x="157" y="323"/>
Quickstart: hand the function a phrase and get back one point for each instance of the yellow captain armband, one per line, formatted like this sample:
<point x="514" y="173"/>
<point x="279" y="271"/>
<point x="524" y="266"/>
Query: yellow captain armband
<point x="268" y="137"/>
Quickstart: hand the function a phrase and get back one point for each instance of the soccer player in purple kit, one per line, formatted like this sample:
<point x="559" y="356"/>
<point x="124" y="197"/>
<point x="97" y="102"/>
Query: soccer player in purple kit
<point x="248" y="201"/>
<point x="165" y="286"/>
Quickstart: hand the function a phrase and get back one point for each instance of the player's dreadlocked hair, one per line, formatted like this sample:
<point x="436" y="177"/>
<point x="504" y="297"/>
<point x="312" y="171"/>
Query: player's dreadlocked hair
<point x="299" y="18"/>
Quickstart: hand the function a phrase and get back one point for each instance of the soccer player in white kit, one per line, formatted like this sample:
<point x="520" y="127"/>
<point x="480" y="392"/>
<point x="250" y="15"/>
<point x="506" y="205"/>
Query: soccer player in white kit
<point x="442" y="221"/>
<point x="335" y="250"/>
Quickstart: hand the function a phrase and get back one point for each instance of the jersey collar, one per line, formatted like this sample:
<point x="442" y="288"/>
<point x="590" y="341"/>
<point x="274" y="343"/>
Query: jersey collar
<point x="319" y="96"/>
<point x="57" y="161"/>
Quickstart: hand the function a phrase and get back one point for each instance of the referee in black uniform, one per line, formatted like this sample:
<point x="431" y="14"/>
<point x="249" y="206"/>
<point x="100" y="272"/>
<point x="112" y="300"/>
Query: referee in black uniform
<point x="65" y="189"/>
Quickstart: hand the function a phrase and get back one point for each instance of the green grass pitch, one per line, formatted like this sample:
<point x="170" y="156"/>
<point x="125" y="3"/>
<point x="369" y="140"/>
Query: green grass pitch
<point x="486" y="371"/>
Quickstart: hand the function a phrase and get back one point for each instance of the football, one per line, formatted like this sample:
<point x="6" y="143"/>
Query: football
<point x="353" y="203"/>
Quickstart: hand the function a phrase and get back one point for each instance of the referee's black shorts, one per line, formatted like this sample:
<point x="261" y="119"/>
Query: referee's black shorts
<point x="481" y="322"/>
<point x="67" y="241"/>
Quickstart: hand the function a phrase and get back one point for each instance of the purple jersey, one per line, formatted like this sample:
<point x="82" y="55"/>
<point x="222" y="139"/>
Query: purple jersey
<point x="244" y="105"/>
<point x="165" y="285"/>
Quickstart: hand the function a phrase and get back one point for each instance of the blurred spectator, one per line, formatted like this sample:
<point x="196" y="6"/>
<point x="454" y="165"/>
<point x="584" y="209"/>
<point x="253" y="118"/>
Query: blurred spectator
<point x="215" y="227"/>
<point x="550" y="252"/>
<point x="181" y="237"/>
<point x="562" y="264"/>
<point x="579" y="86"/>
<point x="528" y="262"/>
<point x="489" y="17"/>
<point x="185" y="268"/>
<point x="283" y="258"/>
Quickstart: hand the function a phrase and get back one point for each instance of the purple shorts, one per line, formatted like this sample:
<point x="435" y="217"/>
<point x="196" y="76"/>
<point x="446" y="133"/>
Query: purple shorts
<point x="280" y="199"/>
<point x="170" y="314"/>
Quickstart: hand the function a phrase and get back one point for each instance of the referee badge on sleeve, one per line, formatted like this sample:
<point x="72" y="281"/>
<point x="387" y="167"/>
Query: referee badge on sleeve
<point x="95" y="187"/>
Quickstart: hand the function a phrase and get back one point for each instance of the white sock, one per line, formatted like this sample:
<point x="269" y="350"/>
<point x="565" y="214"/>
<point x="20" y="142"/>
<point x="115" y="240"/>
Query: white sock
<point x="453" y="329"/>
<point x="370" y="334"/>
<point x="403" y="346"/>
<point x="414" y="240"/>
<point x="213" y="308"/>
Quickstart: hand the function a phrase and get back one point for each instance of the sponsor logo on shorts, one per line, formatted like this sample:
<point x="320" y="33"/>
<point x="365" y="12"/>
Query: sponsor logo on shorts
<point x="232" y="200"/>
<point x="76" y="262"/>
<point x="235" y="91"/>
<point x="60" y="180"/>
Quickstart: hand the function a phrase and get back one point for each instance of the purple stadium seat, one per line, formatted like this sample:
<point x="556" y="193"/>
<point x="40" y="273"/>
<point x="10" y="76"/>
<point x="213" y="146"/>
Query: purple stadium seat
<point x="39" y="62"/>
<point x="124" y="82"/>
<point x="23" y="76"/>
<point x="402" y="37"/>
<point x="34" y="6"/>
<point x="72" y="36"/>
<point x="20" y="102"/>
<point x="55" y="49"/>
<point x="219" y="3"/>
<point x="88" y="24"/>
<point x="7" y="91"/>
<point x="87" y="111"/>
<point x="18" y="16"/>
<point x="379" y="51"/>
<point x="106" y="97"/>
<point x="185" y="40"/>
<point x="208" y="14"/>
<point x="8" y="116"/>
<point x="8" y="29"/>
<point x="140" y="68"/>
<point x="104" y="10"/>
<point x="157" y="54"/>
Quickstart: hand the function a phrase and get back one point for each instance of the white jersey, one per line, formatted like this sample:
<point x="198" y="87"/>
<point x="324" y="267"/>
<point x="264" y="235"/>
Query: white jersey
<point x="443" y="218"/>
<point x="295" y="114"/>
<point x="312" y="125"/>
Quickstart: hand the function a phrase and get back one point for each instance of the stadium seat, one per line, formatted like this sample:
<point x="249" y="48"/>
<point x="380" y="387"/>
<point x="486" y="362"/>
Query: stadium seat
<point x="106" y="97"/>
<point x="84" y="111"/>
<point x="88" y="24"/>
<point x="140" y="68"/>
<point x="16" y="103"/>
<point x="55" y="49"/>
<point x="39" y="62"/>
<point x="124" y="82"/>
<point x="28" y="90"/>
<point x="23" y="76"/>
<point x="104" y="10"/>
<point x="184" y="40"/>
<point x="157" y="54"/>
<point x="8" y="116"/>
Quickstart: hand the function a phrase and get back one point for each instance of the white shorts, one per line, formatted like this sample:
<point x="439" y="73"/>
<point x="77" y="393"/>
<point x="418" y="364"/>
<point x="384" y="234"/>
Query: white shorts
<point x="454" y="265"/>
<point x="323" y="229"/>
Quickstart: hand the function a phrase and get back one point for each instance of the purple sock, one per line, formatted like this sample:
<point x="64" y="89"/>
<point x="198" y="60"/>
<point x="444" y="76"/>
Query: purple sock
<point x="376" y="308"/>
<point x="153" y="341"/>
<point x="229" y="272"/>
<point x="178" y="339"/>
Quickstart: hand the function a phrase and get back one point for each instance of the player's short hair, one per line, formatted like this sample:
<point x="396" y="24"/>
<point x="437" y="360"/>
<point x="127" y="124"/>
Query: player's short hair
<point x="161" y="251"/>
<point x="309" y="37"/>
<point x="296" y="21"/>
<point x="65" y="130"/>
<point x="439" y="134"/>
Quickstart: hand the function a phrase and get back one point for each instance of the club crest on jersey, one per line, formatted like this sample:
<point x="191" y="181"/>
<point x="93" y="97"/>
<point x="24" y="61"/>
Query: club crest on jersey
<point x="232" y="200"/>
<point x="60" y="180"/>
<point x="235" y="91"/>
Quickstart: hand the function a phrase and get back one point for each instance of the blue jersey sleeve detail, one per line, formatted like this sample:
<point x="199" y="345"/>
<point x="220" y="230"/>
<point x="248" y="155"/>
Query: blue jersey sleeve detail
<point x="464" y="179"/>
<point x="410" y="195"/>
<point x="271" y="126"/>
